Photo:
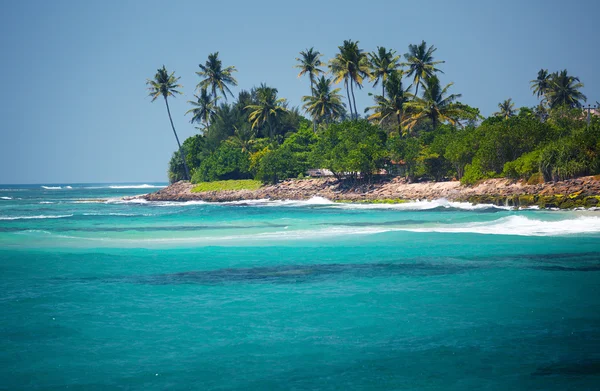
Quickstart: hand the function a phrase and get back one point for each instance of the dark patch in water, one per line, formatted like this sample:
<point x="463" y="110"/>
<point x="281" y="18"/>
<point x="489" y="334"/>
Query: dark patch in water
<point x="578" y="368"/>
<point x="299" y="273"/>
<point x="555" y="268"/>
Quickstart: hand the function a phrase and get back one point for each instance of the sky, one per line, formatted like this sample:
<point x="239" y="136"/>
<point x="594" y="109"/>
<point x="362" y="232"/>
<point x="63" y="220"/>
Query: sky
<point x="75" y="107"/>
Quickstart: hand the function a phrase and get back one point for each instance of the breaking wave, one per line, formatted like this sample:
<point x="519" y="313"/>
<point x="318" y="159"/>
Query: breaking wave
<point x="522" y="226"/>
<point x="56" y="187"/>
<point x="33" y="217"/>
<point x="6" y="198"/>
<point x="144" y="186"/>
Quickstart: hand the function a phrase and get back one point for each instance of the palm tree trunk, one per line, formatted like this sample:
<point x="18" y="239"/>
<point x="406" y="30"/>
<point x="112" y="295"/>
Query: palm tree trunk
<point x="417" y="90"/>
<point x="353" y="99"/>
<point x="312" y="93"/>
<point x="181" y="151"/>
<point x="349" y="101"/>
<point x="382" y="88"/>
<point x="399" y="125"/>
<point x="270" y="127"/>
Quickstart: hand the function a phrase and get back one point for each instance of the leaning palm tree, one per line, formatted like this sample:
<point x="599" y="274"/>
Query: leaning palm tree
<point x="564" y="91"/>
<point x="351" y="65"/>
<point x="435" y="105"/>
<point x="419" y="61"/>
<point x="325" y="104"/>
<point x="383" y="63"/>
<point x="165" y="85"/>
<point x="268" y="106"/>
<point x="215" y="77"/>
<point x="204" y="110"/>
<point x="541" y="84"/>
<point x="309" y="63"/>
<point x="507" y="109"/>
<point x="395" y="103"/>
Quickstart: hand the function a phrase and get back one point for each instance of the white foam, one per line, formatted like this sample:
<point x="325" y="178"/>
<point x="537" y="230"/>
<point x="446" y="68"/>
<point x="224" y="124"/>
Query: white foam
<point x="52" y="187"/>
<point x="178" y="203"/>
<point x="46" y="202"/>
<point x="422" y="205"/>
<point x="33" y="217"/>
<point x="122" y="201"/>
<point x="6" y="198"/>
<point x="144" y="186"/>
<point x="522" y="226"/>
<point x="117" y="214"/>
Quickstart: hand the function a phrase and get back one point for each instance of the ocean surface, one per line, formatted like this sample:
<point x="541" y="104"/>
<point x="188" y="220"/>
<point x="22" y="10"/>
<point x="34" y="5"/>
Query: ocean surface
<point x="100" y="293"/>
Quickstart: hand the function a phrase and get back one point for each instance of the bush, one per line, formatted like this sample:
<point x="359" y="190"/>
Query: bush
<point x="405" y="150"/>
<point x="289" y="160"/>
<point x="523" y="167"/>
<point x="572" y="156"/>
<point x="227" y="162"/>
<point x="474" y="172"/>
<point x="351" y="148"/>
<point x="176" y="171"/>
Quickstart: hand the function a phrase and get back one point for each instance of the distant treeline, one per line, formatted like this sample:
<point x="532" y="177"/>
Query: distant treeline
<point x="420" y="130"/>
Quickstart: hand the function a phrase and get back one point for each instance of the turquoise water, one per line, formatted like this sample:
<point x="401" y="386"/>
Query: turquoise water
<point x="99" y="293"/>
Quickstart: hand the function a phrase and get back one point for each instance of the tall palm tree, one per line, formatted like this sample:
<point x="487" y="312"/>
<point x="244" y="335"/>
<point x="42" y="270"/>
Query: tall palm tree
<point x="419" y="60"/>
<point x="351" y="65"/>
<point x="268" y="106"/>
<point x="564" y="90"/>
<point x="507" y="109"/>
<point x="165" y="85"/>
<point x="309" y="63"/>
<point x="395" y="103"/>
<point x="339" y="70"/>
<point x="541" y="84"/>
<point x="216" y="77"/>
<point x="435" y="105"/>
<point x="383" y="63"/>
<point x="204" y="110"/>
<point x="324" y="104"/>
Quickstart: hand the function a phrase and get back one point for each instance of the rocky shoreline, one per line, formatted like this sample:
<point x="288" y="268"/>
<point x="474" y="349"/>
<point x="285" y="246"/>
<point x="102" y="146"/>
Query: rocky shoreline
<point x="579" y="192"/>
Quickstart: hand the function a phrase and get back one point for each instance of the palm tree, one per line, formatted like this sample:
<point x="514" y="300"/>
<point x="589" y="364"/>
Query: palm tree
<point x="351" y="65"/>
<point x="324" y="104"/>
<point x="268" y="106"/>
<point x="205" y="108"/>
<point x="507" y="109"/>
<point x="564" y="91"/>
<point x="309" y="63"/>
<point x="420" y="63"/>
<point x="165" y="85"/>
<point x="435" y="105"/>
<point x="216" y="77"/>
<point x="541" y="84"/>
<point x="243" y="137"/>
<point x="383" y="63"/>
<point x="394" y="104"/>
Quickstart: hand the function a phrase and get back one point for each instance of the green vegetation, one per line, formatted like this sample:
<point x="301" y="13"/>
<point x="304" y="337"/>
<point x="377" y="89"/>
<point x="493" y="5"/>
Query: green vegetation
<point x="417" y="127"/>
<point x="243" y="184"/>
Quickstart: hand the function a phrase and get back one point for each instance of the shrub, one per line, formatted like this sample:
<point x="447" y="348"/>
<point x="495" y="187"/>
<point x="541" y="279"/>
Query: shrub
<point x="351" y="148"/>
<point x="523" y="167"/>
<point x="227" y="162"/>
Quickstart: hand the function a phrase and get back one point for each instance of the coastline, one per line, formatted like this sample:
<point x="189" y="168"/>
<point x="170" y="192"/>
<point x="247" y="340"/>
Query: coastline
<point x="568" y="194"/>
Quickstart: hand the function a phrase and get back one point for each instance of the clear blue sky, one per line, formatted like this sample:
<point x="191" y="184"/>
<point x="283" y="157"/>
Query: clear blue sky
<point x="75" y="109"/>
